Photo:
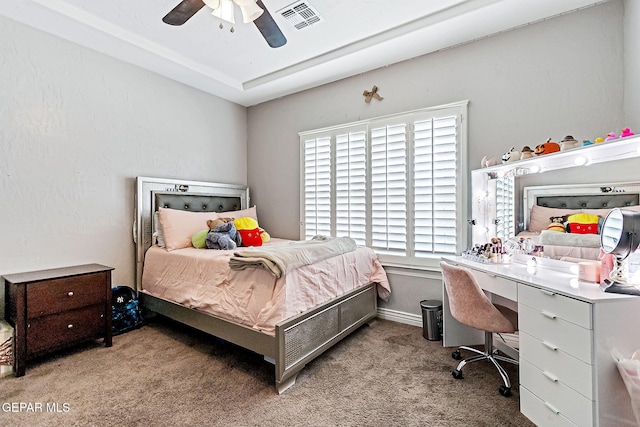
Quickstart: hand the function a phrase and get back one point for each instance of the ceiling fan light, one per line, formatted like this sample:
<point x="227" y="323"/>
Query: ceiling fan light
<point x="224" y="11"/>
<point x="250" y="10"/>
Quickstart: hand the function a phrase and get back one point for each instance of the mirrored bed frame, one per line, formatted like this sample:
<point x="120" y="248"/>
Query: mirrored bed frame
<point x="297" y="340"/>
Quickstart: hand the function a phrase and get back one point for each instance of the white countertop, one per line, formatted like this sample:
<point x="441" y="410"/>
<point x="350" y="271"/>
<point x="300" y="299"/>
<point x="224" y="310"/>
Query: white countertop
<point x="548" y="274"/>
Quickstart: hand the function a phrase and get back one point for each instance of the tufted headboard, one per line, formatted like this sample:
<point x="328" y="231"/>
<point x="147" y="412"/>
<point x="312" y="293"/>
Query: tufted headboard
<point x="589" y="196"/>
<point x="195" y="196"/>
<point x="196" y="202"/>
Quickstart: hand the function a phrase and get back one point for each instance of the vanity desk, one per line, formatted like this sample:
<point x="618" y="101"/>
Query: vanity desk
<point x="567" y="331"/>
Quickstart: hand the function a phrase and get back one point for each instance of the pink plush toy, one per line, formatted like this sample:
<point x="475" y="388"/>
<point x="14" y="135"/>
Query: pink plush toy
<point x="611" y="136"/>
<point x="626" y="132"/>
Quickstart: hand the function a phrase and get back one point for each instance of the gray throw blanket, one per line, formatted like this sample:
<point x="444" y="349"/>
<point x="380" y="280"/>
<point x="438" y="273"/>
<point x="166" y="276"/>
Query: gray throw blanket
<point x="280" y="259"/>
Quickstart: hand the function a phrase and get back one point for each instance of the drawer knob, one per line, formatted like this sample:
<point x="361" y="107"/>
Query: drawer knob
<point x="549" y="346"/>
<point x="70" y="326"/>
<point x="550" y="376"/>
<point x="548" y="315"/>
<point x="549" y="293"/>
<point x="554" y="410"/>
<point x="70" y="293"/>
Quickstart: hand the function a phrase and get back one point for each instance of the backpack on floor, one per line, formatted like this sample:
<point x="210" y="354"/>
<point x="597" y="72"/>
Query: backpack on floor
<point x="126" y="314"/>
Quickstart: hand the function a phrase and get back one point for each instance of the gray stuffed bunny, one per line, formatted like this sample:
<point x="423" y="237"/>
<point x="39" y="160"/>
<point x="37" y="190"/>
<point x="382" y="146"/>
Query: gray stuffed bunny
<point x="223" y="235"/>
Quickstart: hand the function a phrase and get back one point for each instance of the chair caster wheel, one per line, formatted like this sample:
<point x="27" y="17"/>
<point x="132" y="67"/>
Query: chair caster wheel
<point x="456" y="355"/>
<point x="505" y="391"/>
<point x="456" y="374"/>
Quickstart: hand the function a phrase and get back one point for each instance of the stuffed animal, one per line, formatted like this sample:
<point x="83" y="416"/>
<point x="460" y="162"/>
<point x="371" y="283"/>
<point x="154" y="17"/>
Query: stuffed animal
<point x="586" y="142"/>
<point x="488" y="162"/>
<point x="626" y="132"/>
<point x="582" y="223"/>
<point x="223" y="234"/>
<point x="611" y="136"/>
<point x="526" y="152"/>
<point x="547" y="148"/>
<point x="568" y="143"/>
<point x="252" y="234"/>
<point x="511" y="156"/>
<point x="557" y="224"/>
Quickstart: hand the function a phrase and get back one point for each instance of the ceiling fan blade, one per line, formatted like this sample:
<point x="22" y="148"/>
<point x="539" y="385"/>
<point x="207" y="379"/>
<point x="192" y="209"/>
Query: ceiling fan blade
<point x="183" y="11"/>
<point x="269" y="29"/>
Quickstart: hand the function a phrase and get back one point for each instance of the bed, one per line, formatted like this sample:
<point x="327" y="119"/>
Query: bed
<point x="290" y="320"/>
<point x="540" y="203"/>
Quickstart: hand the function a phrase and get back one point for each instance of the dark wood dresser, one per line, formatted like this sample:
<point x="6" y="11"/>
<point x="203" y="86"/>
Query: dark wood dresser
<point x="56" y="308"/>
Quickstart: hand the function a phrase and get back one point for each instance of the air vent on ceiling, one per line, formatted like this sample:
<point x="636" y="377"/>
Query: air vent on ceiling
<point x="300" y="14"/>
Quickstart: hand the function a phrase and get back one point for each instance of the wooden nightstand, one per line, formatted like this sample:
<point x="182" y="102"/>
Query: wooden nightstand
<point x="52" y="309"/>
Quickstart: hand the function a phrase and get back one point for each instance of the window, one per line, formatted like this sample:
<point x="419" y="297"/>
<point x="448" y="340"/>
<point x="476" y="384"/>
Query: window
<point x="394" y="184"/>
<point x="505" y="207"/>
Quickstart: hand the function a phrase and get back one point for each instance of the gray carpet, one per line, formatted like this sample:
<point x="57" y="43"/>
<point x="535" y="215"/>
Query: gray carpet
<point x="385" y="374"/>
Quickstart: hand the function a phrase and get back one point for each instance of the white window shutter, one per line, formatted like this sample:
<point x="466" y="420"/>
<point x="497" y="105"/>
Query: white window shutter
<point x="317" y="186"/>
<point x="350" y="185"/>
<point x="393" y="184"/>
<point x="389" y="189"/>
<point x="434" y="186"/>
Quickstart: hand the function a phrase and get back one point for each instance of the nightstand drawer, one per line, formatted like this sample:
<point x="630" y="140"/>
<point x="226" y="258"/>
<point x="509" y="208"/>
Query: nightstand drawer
<point x="556" y="332"/>
<point x="57" y="330"/>
<point x="57" y="295"/>
<point x="50" y="309"/>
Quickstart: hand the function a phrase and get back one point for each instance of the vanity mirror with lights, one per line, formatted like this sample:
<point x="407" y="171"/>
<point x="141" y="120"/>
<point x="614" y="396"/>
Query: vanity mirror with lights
<point x="508" y="199"/>
<point x="567" y="327"/>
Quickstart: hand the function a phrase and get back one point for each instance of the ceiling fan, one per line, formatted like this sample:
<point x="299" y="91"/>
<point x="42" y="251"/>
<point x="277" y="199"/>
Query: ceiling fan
<point x="257" y="13"/>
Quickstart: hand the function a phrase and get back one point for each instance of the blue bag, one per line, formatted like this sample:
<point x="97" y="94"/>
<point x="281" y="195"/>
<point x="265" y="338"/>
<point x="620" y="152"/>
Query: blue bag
<point x="125" y="310"/>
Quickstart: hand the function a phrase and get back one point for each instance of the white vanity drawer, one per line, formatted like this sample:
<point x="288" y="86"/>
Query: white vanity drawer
<point x="541" y="415"/>
<point x="497" y="285"/>
<point x="569" y="309"/>
<point x="556" y="332"/>
<point x="573" y="372"/>
<point x="557" y="396"/>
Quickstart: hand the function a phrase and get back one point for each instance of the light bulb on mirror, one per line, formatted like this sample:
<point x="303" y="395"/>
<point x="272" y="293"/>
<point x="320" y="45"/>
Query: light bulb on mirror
<point x="580" y="161"/>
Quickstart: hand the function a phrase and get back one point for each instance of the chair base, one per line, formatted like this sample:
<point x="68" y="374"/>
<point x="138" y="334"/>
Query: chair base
<point x="488" y="354"/>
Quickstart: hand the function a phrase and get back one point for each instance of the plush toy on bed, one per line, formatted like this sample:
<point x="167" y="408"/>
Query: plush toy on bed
<point x="557" y="224"/>
<point x="252" y="234"/>
<point x="583" y="223"/>
<point x="222" y="234"/>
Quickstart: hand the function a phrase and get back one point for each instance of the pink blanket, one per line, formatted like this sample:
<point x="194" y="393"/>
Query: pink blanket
<point x="202" y="279"/>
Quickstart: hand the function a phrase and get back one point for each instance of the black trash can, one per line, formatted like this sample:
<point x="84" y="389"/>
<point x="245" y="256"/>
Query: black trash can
<point x="431" y="319"/>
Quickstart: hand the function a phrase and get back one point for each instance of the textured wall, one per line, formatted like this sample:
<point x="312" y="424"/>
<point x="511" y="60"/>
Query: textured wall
<point x="632" y="65"/>
<point x="556" y="77"/>
<point x="76" y="128"/>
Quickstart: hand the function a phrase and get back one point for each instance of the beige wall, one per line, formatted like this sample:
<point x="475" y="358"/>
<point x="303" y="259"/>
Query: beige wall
<point x="632" y="65"/>
<point x="557" y="77"/>
<point x="76" y="128"/>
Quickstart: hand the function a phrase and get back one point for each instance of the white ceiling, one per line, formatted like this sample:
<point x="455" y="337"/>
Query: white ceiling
<point x="353" y="37"/>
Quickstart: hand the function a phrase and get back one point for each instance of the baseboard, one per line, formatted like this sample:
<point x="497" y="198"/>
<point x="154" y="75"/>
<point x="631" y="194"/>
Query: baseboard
<point x="400" y="317"/>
